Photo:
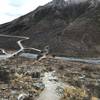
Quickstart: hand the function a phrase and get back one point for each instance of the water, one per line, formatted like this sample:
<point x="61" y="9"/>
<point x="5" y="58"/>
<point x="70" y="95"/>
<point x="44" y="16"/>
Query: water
<point x="2" y="57"/>
<point x="34" y="56"/>
<point x="85" y="60"/>
<point x="29" y="55"/>
<point x="26" y="55"/>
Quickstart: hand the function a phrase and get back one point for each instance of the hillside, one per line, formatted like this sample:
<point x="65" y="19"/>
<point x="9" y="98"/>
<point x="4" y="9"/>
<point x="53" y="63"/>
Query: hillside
<point x="69" y="28"/>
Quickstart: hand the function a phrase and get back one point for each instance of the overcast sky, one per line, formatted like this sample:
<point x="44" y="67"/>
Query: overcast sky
<point x="11" y="9"/>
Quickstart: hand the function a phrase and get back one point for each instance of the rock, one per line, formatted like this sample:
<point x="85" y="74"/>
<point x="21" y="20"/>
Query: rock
<point x="4" y="75"/>
<point x="28" y="98"/>
<point x="60" y="90"/>
<point x="12" y="70"/>
<point x="18" y="75"/>
<point x="36" y="75"/>
<point x="22" y="97"/>
<point x="28" y="73"/>
<point x="3" y="86"/>
<point x="25" y="97"/>
<point x="49" y="69"/>
<point x="39" y="86"/>
<point x="61" y="67"/>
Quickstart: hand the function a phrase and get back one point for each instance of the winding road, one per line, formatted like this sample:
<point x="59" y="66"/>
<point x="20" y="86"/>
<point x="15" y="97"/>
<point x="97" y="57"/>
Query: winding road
<point x="22" y="48"/>
<point x="3" y="51"/>
<point x="23" y="38"/>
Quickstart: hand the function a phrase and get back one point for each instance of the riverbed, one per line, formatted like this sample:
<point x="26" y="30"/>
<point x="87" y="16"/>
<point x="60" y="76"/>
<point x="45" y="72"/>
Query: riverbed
<point x="76" y="59"/>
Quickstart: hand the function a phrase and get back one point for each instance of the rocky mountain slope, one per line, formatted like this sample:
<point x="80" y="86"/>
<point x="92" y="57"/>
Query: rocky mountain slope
<point x="68" y="27"/>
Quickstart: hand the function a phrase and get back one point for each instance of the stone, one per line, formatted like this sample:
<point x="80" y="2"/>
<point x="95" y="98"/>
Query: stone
<point x="36" y="75"/>
<point x="22" y="96"/>
<point x="4" y="75"/>
<point x="39" y="86"/>
<point x="3" y="86"/>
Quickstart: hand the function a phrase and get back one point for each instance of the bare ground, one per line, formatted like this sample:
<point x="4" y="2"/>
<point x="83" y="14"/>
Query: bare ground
<point x="17" y="76"/>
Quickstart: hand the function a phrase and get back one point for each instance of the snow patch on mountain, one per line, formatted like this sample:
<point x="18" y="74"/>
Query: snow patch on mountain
<point x="64" y="3"/>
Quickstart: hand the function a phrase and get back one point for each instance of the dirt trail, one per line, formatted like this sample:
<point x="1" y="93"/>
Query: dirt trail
<point x="51" y="85"/>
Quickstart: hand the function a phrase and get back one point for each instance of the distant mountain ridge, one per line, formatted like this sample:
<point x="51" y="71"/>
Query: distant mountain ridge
<point x="69" y="28"/>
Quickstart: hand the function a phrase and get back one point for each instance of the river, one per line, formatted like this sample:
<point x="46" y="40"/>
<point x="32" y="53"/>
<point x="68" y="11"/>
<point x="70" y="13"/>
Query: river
<point x="28" y="55"/>
<point x="84" y="60"/>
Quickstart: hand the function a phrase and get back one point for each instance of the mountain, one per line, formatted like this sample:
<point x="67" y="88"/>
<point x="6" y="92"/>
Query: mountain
<point x="70" y="27"/>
